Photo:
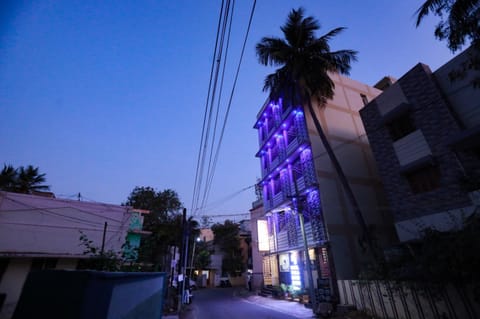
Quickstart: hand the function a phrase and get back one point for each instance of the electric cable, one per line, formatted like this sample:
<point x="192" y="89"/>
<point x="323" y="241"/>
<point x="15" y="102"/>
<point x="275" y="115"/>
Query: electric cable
<point x="197" y="172"/>
<point x="217" y="152"/>
<point x="224" y="16"/>
<point x="219" y="100"/>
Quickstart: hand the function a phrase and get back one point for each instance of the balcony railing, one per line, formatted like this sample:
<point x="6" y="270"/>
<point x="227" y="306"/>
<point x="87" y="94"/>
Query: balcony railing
<point x="301" y="185"/>
<point x="293" y="145"/>
<point x="267" y="204"/>
<point x="278" y="199"/>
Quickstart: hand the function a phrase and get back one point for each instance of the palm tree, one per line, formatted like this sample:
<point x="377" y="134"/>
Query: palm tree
<point x="305" y="62"/>
<point x="29" y="180"/>
<point x="8" y="176"/>
<point x="22" y="180"/>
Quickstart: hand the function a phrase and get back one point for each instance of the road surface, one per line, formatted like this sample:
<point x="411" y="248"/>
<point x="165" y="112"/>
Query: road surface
<point x="224" y="303"/>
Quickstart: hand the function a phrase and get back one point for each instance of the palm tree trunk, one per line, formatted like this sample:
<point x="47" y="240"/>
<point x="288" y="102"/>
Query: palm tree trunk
<point x="343" y="179"/>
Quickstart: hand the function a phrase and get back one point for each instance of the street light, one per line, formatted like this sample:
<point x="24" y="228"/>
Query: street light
<point x="197" y="240"/>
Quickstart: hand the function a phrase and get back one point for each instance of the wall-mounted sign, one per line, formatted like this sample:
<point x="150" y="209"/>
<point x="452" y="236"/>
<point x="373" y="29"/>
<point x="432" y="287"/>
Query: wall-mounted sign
<point x="262" y="231"/>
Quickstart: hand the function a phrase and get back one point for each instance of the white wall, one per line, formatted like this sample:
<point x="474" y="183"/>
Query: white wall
<point x="38" y="225"/>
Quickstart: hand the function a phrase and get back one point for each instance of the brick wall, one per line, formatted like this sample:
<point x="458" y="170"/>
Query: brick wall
<point x="431" y="114"/>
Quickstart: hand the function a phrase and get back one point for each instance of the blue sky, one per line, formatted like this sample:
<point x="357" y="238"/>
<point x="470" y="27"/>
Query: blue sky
<point x="104" y="96"/>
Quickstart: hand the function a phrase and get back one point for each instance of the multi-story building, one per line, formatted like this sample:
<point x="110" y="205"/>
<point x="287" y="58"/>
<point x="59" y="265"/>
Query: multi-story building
<point x="424" y="131"/>
<point x="297" y="176"/>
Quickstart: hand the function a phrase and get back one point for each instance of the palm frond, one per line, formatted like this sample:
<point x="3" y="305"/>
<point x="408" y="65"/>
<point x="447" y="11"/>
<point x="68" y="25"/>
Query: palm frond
<point x="331" y="34"/>
<point x="272" y="51"/>
<point x="304" y="59"/>
<point x="298" y="30"/>
<point x="340" y="61"/>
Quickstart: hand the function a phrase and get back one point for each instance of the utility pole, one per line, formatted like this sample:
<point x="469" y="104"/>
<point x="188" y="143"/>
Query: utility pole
<point x="182" y="257"/>
<point x="103" y="239"/>
<point x="185" y="260"/>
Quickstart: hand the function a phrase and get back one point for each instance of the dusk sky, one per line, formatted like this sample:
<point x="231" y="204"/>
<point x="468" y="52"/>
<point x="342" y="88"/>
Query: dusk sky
<point x="104" y="96"/>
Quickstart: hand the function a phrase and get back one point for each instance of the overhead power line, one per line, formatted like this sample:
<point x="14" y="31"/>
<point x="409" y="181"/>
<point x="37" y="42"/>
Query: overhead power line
<point x="203" y="183"/>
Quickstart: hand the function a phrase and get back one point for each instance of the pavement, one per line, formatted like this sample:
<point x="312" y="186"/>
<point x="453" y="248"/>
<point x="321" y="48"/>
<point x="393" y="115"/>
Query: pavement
<point x="292" y="308"/>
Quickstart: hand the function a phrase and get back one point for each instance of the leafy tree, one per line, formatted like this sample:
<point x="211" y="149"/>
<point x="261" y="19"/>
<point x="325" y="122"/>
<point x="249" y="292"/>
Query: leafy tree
<point x="202" y="258"/>
<point x="459" y="25"/>
<point x="164" y="221"/>
<point x="227" y="239"/>
<point x="302" y="78"/>
<point x="22" y="180"/>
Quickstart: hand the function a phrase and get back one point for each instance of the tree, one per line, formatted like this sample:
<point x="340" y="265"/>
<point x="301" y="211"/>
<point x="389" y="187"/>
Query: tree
<point x="8" y="178"/>
<point x="22" y="180"/>
<point x="202" y="258"/>
<point x="304" y="62"/>
<point x="459" y="25"/>
<point x="164" y="221"/>
<point x="227" y="239"/>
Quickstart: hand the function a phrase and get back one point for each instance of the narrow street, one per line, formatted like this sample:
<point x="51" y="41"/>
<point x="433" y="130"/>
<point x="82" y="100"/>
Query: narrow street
<point x="225" y="303"/>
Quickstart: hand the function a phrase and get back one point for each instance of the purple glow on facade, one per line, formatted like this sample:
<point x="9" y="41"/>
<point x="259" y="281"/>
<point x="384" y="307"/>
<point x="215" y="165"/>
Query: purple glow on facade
<point x="306" y="152"/>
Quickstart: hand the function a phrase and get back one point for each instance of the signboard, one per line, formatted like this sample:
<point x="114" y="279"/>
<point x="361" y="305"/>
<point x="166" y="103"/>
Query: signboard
<point x="262" y="231"/>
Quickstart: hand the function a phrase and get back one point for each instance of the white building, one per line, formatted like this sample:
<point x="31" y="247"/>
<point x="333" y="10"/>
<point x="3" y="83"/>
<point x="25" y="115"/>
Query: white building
<point x="38" y="232"/>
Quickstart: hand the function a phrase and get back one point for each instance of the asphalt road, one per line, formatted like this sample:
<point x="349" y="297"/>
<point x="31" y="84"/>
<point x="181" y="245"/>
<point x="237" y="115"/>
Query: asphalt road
<point x="222" y="303"/>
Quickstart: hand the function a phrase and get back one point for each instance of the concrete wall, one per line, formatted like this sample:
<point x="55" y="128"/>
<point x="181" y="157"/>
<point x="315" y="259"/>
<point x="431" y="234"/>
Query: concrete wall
<point x="52" y="227"/>
<point x="12" y="283"/>
<point x="433" y="119"/>
<point x="91" y="294"/>
<point x="257" y="256"/>
<point x="342" y="124"/>
<point x="462" y="96"/>
<point x="13" y="279"/>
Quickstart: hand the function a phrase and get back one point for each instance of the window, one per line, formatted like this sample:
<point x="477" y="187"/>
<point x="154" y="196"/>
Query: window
<point x="424" y="179"/>
<point x="401" y="126"/>
<point x="364" y="99"/>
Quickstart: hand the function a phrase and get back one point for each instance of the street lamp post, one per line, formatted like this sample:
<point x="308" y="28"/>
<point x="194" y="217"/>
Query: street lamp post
<point x="197" y="240"/>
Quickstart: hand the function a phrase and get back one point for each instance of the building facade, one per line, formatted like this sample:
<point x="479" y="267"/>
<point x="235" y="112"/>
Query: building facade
<point x="298" y="178"/>
<point x="39" y="233"/>
<point x="424" y="131"/>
